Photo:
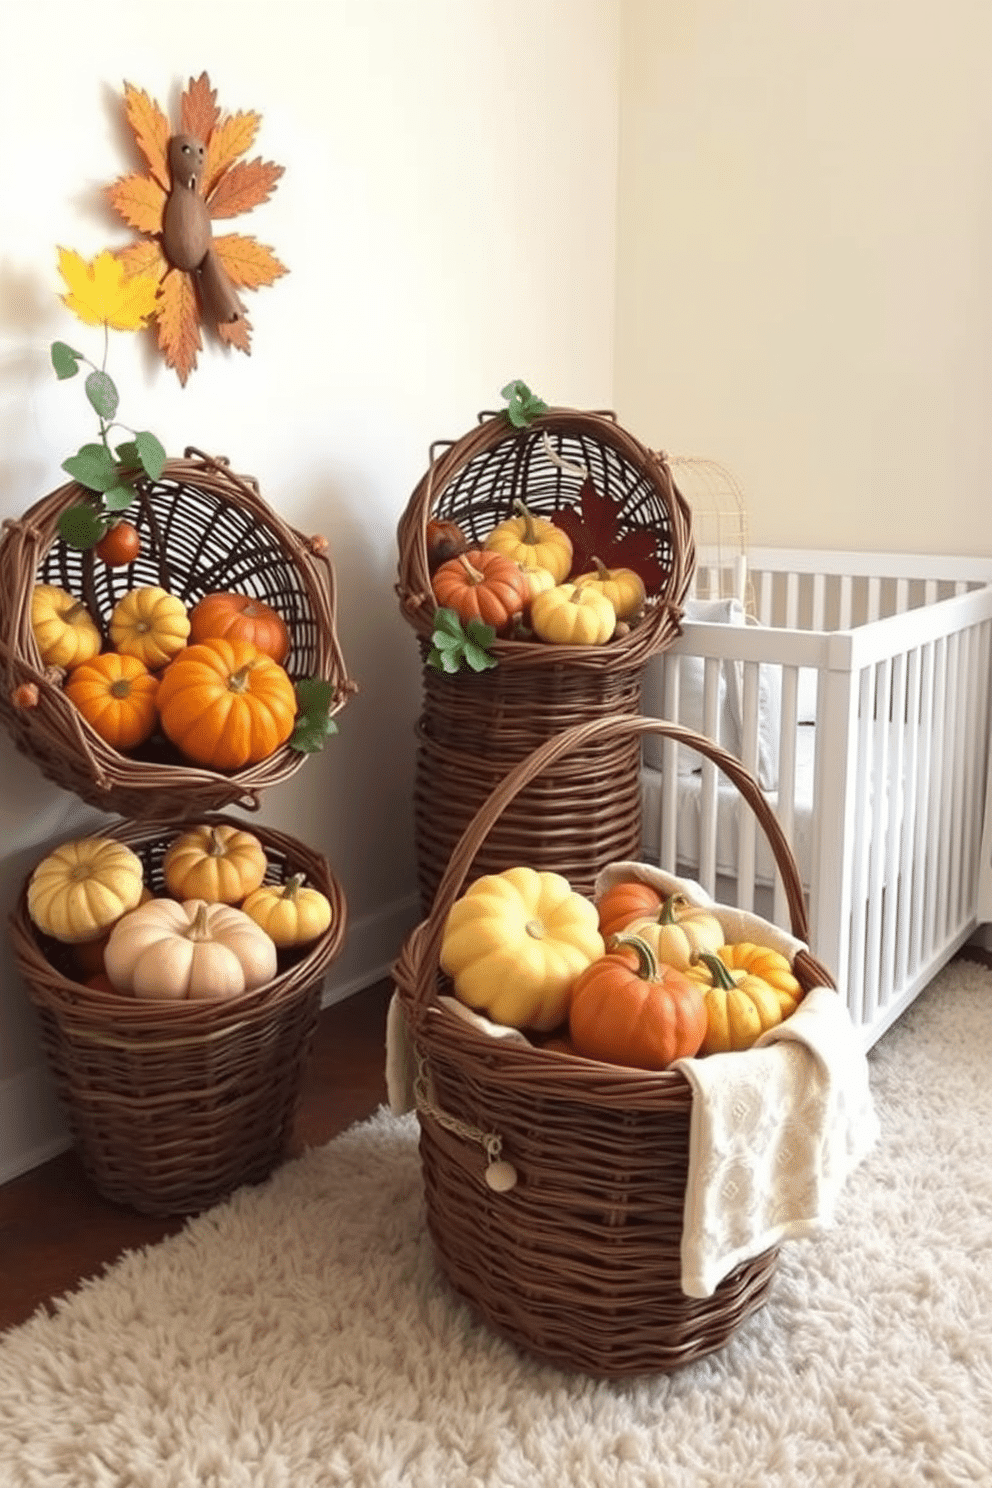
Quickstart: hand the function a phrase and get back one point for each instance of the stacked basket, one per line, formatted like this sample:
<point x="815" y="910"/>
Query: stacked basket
<point x="474" y="727"/>
<point x="174" y="1105"/>
<point x="579" y="1261"/>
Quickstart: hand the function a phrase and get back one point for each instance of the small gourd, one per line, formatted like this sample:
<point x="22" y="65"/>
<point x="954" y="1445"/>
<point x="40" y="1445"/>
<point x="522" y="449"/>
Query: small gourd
<point x="83" y="887"/>
<point x="514" y="943"/>
<point x="151" y="624"/>
<point x="214" y="861"/>
<point x="226" y="704"/>
<point x="166" y="951"/>
<point x="621" y="586"/>
<point x="533" y="542"/>
<point x="678" y="931"/>
<point x="292" y="913"/>
<point x="116" y="695"/>
<point x="240" y="617"/>
<point x="740" y="1006"/>
<point x="444" y="540"/>
<point x="624" y="902"/>
<point x="628" y="1008"/>
<point x="63" y="628"/>
<point x="568" y="616"/>
<point x="482" y="585"/>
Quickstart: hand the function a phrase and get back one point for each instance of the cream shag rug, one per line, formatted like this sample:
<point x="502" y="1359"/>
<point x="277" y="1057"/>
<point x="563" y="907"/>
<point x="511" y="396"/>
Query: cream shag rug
<point x="298" y="1335"/>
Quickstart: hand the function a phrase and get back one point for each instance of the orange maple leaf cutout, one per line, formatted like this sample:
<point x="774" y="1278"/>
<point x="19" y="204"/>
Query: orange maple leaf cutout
<point x="232" y="136"/>
<point x="145" y="257"/>
<point x="244" y="185"/>
<point x="198" y="111"/>
<point x="151" y="132"/>
<point x="594" y="530"/>
<point x="236" y="333"/>
<point x="139" y="200"/>
<point x="249" y="264"/>
<point x="179" y="323"/>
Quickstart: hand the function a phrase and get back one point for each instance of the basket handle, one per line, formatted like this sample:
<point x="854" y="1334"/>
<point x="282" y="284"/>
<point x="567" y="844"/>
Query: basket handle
<point x="577" y="737"/>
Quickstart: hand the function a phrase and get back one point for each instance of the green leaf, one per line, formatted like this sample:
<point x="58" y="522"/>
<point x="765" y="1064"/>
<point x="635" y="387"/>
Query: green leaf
<point x="524" y="406"/>
<point x="453" y="643"/>
<point x="81" y="526"/>
<point x="102" y="394"/>
<point x="314" y="697"/>
<point x="93" y="467"/>
<point x="150" y="454"/>
<point x="118" y="498"/>
<point x="65" y="360"/>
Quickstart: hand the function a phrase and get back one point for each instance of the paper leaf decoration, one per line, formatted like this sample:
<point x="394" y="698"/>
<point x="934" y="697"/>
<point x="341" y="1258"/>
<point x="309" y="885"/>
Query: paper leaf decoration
<point x="594" y="533"/>
<point x="196" y="291"/>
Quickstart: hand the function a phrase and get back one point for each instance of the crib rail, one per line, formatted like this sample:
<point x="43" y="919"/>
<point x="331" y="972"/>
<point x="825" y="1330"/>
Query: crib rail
<point x="882" y="797"/>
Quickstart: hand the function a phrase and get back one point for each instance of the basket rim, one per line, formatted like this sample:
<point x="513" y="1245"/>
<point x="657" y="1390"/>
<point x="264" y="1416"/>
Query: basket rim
<point x="661" y="623"/>
<point x="26" y="541"/>
<point x="49" y="988"/>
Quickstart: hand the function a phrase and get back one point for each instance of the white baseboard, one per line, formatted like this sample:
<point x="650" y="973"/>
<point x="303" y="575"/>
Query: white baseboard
<point x="32" y="1129"/>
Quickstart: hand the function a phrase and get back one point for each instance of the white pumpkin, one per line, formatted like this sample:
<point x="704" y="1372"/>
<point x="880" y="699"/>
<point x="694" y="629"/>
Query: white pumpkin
<point x="168" y="951"/>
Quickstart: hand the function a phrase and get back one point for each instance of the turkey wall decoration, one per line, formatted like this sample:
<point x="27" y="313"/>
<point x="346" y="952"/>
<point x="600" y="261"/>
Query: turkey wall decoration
<point x="195" y="177"/>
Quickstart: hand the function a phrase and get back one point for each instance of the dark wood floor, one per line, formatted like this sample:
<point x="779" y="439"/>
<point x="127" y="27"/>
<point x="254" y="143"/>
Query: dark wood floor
<point x="56" y="1230"/>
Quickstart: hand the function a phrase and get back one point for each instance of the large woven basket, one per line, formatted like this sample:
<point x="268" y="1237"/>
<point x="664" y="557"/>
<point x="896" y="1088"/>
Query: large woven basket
<point x="475" y="726"/>
<point x="579" y="1263"/>
<point x="203" y="529"/>
<point x="174" y="1105"/>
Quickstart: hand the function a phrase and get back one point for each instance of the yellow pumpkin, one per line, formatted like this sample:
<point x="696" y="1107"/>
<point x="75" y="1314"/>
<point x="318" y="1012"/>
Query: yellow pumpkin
<point x="151" y="624"/>
<point x="568" y="616"/>
<point x="216" y="862"/>
<point x="533" y="542"/>
<point x="621" y="586"/>
<point x="167" y="951"/>
<point x="290" y="913"/>
<point x="514" y="943"/>
<point x="678" y="931"/>
<point x="64" y="630"/>
<point x="538" y="581"/>
<point x="83" y="887"/>
<point x="740" y="1006"/>
<point x="770" y="965"/>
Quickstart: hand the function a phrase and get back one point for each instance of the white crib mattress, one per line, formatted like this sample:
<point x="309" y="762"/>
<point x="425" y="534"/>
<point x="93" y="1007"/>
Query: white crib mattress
<point x="730" y="806"/>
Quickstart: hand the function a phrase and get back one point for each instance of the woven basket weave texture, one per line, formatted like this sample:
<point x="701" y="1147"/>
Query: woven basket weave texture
<point x="473" y="727"/>
<point x="173" y="1105"/>
<point x="203" y="529"/>
<point x="580" y="1262"/>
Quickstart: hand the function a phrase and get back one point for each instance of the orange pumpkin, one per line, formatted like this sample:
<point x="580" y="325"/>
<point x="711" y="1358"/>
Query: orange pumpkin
<point x="628" y="1009"/>
<point x="238" y="617"/>
<point x="226" y="704"/>
<point x="623" y="903"/>
<point x="116" y="695"/>
<point x="482" y="585"/>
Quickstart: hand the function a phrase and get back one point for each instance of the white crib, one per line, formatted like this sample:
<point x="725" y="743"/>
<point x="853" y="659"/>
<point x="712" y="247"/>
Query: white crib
<point x="856" y="688"/>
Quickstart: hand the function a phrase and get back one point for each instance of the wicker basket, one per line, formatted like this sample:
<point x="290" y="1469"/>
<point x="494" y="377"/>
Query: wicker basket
<point x="474" y="727"/>
<point x="203" y="528"/>
<point x="174" y="1105"/>
<point x="579" y="1263"/>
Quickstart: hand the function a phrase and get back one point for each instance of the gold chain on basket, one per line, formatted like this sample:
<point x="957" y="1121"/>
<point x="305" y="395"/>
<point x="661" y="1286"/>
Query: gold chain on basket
<point x="499" y="1174"/>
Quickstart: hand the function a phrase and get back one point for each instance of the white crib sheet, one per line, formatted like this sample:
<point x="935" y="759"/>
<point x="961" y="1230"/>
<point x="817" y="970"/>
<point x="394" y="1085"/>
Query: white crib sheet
<point x="730" y="805"/>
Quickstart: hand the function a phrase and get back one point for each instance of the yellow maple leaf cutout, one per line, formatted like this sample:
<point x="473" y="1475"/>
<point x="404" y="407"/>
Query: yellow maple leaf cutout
<point x="100" y="292"/>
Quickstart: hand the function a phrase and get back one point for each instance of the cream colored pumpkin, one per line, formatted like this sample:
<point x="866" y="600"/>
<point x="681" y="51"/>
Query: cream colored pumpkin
<point x="219" y="863"/>
<point x="514" y="943"/>
<point x="83" y="887"/>
<point x="290" y="912"/>
<point x="63" y="628"/>
<point x="168" y="951"/>
<point x="151" y="624"/>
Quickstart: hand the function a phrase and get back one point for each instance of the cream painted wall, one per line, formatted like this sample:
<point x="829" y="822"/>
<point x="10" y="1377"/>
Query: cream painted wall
<point x="805" y="260"/>
<point x="448" y="217"/>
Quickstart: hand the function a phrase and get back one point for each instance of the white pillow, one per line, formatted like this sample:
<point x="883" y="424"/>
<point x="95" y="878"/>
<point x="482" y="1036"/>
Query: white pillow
<point x="691" y="690"/>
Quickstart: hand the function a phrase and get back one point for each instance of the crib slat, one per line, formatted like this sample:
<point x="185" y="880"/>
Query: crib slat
<point x="896" y="830"/>
<point x="907" y="917"/>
